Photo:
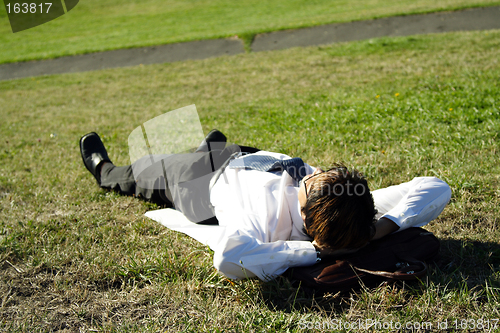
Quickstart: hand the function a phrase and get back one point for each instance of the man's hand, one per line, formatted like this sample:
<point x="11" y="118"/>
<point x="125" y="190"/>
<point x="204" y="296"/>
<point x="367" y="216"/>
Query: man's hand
<point x="383" y="227"/>
<point x="326" y="252"/>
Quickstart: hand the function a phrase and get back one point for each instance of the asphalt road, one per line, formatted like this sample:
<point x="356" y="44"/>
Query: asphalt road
<point x="465" y="20"/>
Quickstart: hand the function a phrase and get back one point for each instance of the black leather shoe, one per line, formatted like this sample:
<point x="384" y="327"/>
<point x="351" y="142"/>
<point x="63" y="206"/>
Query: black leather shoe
<point x="93" y="154"/>
<point x="214" y="136"/>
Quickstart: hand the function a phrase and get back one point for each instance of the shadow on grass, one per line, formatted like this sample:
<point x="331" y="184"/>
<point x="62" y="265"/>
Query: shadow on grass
<point x="462" y="267"/>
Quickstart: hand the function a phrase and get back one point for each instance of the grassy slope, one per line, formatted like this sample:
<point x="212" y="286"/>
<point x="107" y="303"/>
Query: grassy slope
<point x="73" y="256"/>
<point x="110" y="24"/>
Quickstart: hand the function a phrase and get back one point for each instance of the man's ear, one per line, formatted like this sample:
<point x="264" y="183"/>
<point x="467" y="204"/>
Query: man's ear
<point x="303" y="216"/>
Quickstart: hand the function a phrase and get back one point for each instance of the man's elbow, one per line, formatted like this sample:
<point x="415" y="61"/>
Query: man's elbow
<point x="442" y="186"/>
<point x="229" y="267"/>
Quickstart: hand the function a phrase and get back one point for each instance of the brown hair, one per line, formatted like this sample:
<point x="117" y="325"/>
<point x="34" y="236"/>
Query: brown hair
<point x="339" y="212"/>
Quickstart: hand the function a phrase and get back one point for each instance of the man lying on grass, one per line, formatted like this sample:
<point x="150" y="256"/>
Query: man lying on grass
<point x="278" y="212"/>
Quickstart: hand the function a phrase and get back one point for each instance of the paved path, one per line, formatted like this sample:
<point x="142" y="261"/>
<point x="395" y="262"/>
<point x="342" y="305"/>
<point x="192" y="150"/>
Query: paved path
<point x="465" y="20"/>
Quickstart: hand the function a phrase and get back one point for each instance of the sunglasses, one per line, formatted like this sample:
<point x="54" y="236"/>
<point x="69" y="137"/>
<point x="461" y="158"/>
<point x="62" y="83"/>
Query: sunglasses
<point x="305" y="180"/>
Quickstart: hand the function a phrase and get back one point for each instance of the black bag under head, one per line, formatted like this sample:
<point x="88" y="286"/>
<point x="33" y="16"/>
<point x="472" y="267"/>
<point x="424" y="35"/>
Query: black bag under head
<point x="399" y="256"/>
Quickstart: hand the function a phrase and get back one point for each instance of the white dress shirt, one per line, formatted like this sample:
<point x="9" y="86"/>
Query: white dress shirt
<point x="263" y="226"/>
<point x="263" y="233"/>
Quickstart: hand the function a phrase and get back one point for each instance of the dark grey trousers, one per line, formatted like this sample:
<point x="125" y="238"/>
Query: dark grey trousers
<point x="178" y="180"/>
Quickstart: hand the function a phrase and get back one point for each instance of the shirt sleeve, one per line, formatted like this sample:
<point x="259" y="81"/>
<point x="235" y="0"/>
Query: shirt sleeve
<point x="242" y="255"/>
<point x="413" y="204"/>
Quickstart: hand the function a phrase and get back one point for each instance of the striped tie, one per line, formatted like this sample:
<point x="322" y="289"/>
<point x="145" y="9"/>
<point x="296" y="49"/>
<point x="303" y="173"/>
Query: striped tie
<point x="294" y="166"/>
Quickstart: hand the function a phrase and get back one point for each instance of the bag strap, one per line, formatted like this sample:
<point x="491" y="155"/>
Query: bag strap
<point x="410" y="274"/>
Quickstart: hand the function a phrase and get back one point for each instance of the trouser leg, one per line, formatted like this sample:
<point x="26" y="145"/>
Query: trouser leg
<point x="188" y="175"/>
<point x="121" y="179"/>
<point x="187" y="186"/>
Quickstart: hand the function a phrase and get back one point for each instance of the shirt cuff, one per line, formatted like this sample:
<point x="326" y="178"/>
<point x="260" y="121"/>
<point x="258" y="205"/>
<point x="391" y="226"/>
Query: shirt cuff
<point x="399" y="215"/>
<point x="304" y="253"/>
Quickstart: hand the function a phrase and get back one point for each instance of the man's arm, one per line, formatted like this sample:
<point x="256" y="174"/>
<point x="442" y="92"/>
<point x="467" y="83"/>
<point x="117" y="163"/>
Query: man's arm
<point x="242" y="256"/>
<point x="384" y="227"/>
<point x="411" y="204"/>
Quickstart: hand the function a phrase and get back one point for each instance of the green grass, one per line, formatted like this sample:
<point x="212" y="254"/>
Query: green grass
<point x="75" y="257"/>
<point x="109" y="24"/>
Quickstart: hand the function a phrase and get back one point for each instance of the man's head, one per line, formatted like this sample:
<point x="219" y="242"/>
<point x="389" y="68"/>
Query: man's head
<point x="337" y="208"/>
